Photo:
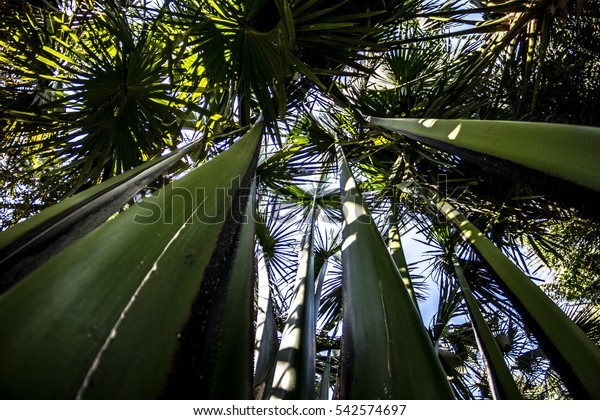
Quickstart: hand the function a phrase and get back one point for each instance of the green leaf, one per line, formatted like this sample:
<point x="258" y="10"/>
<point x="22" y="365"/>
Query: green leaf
<point x="575" y="357"/>
<point x="288" y="18"/>
<point x="559" y="159"/>
<point x="30" y="243"/>
<point x="565" y="151"/>
<point x="59" y="55"/>
<point x="386" y="351"/>
<point x="131" y="310"/>
<point x="232" y="372"/>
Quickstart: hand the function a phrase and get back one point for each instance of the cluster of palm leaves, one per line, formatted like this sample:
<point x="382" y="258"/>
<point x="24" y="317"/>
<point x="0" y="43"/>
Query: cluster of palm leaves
<point x="230" y="191"/>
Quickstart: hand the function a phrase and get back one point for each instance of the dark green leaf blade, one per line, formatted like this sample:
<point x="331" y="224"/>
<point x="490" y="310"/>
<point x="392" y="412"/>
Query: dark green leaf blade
<point x="109" y="317"/>
<point x="386" y="351"/>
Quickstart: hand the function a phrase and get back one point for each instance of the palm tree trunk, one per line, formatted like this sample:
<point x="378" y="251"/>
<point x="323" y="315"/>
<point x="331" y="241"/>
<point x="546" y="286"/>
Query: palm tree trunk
<point x="265" y="342"/>
<point x="501" y="380"/>
<point x="573" y="355"/>
<point x="397" y="253"/>
<point x="319" y="287"/>
<point x="295" y="370"/>
<point x="325" y="378"/>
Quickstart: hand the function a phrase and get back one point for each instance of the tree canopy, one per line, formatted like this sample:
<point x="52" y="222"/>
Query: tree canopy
<point x="237" y="185"/>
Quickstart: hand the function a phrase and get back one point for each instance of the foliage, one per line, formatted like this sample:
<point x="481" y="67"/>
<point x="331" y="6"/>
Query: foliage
<point x="91" y="90"/>
<point x="578" y="265"/>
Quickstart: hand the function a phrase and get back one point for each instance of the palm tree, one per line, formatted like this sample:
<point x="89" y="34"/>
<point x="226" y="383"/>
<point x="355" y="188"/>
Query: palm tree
<point x="186" y="143"/>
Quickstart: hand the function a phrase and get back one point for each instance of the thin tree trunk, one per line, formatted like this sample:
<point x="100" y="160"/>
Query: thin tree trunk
<point x="502" y="383"/>
<point x="295" y="369"/>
